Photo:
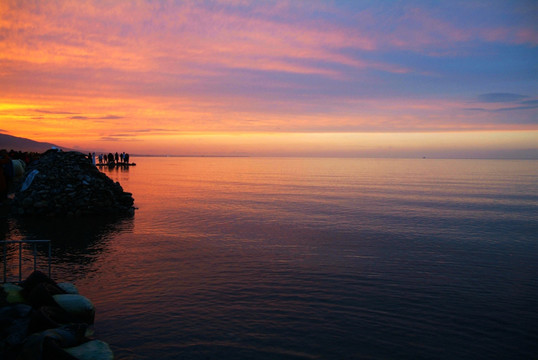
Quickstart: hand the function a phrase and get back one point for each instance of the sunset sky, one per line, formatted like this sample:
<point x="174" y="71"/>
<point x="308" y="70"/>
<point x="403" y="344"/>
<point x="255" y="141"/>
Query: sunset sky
<point x="243" y="77"/>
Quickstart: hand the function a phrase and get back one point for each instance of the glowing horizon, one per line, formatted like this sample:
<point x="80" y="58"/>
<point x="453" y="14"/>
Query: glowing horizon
<point x="273" y="78"/>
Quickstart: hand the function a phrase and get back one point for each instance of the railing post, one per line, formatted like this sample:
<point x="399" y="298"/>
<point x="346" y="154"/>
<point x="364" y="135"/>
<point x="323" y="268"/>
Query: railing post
<point x="50" y="256"/>
<point x="20" y="261"/>
<point x="5" y="262"/>
<point x="34" y="247"/>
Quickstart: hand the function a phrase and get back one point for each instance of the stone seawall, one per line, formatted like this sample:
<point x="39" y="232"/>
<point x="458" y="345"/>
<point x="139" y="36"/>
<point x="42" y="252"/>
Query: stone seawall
<point x="68" y="184"/>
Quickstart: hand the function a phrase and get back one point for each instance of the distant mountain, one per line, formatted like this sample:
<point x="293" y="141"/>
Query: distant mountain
<point x="9" y="142"/>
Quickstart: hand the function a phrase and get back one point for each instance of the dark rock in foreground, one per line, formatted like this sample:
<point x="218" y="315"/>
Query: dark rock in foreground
<point x="43" y="319"/>
<point x="67" y="184"/>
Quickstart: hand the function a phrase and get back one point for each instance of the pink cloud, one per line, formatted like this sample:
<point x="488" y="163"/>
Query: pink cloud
<point x="126" y="36"/>
<point x="175" y="65"/>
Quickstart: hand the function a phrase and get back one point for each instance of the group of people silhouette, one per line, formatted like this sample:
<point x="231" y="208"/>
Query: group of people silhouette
<point x="117" y="158"/>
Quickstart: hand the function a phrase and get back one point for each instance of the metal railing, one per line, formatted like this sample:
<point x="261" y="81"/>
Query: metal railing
<point x="34" y="247"/>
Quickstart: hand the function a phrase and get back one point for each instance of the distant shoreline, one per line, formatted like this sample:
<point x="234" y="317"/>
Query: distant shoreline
<point x="198" y="156"/>
<point x="334" y="157"/>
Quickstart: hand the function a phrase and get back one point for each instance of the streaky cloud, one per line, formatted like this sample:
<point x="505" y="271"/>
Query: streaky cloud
<point x="109" y="138"/>
<point x="54" y="112"/>
<point x="119" y="135"/>
<point x="154" y="131"/>
<point x="500" y="97"/>
<point x="518" y="108"/>
<point x="475" y="109"/>
<point x="110" y="117"/>
<point x="119" y="138"/>
<point x="106" y="117"/>
<point x="503" y="109"/>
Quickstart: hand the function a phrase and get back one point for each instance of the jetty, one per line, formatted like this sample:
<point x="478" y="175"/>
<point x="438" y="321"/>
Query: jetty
<point x="112" y="165"/>
<point x="63" y="184"/>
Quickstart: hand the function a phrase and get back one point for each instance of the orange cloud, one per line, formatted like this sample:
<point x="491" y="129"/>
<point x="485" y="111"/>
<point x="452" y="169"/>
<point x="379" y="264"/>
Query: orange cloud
<point x="136" y="72"/>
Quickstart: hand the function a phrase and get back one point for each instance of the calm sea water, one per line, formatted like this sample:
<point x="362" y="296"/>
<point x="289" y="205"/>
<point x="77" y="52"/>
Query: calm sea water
<point x="259" y="258"/>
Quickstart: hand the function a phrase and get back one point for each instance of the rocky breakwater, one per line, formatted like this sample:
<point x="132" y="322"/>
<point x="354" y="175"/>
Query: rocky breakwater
<point x="68" y="184"/>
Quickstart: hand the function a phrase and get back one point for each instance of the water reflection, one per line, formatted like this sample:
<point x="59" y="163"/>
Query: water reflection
<point x="117" y="173"/>
<point x="297" y="258"/>
<point x="77" y="243"/>
<point x="4" y="227"/>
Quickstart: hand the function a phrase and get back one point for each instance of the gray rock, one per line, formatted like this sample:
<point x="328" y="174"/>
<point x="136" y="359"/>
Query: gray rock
<point x="69" y="185"/>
